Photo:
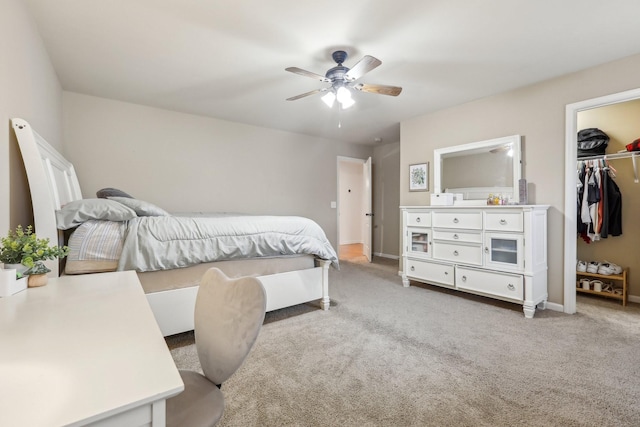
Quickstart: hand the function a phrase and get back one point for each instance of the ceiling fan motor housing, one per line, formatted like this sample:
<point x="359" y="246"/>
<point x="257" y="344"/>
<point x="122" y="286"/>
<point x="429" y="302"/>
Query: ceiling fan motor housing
<point x="336" y="74"/>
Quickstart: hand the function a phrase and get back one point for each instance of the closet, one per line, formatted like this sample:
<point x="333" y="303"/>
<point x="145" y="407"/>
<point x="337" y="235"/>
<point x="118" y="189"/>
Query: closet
<point x="620" y="122"/>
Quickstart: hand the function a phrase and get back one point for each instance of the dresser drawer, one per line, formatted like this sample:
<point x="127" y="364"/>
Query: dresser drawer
<point x="504" y="221"/>
<point x="419" y="219"/>
<point x="501" y="285"/>
<point x="467" y="220"/>
<point x="458" y="236"/>
<point x="458" y="253"/>
<point x="430" y="271"/>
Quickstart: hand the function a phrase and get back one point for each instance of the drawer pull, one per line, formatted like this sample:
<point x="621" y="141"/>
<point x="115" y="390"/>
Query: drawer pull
<point x="418" y="219"/>
<point x="413" y="268"/>
<point x="511" y="287"/>
<point x="455" y="253"/>
<point x="455" y="236"/>
<point x="464" y="278"/>
<point x="503" y="222"/>
<point x="446" y="273"/>
<point x="455" y="220"/>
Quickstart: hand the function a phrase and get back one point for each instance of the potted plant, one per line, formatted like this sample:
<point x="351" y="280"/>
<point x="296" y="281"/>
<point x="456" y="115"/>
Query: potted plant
<point x="23" y="251"/>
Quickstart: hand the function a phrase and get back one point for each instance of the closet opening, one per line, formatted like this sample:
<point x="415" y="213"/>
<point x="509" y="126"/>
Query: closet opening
<point x="616" y="115"/>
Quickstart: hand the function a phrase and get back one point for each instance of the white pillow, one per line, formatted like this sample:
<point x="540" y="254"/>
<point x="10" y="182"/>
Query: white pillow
<point x="75" y="213"/>
<point x="141" y="207"/>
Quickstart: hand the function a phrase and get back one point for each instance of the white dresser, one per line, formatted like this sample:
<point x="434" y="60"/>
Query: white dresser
<point x="495" y="251"/>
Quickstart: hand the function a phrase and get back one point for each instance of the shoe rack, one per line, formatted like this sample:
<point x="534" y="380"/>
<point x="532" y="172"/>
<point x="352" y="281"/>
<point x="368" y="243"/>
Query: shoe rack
<point x="616" y="281"/>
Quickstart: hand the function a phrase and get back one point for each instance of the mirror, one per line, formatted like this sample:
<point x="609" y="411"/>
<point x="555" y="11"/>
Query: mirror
<point x="478" y="169"/>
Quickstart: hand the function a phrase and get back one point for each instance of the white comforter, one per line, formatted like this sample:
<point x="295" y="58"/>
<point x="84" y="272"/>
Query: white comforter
<point x="166" y="242"/>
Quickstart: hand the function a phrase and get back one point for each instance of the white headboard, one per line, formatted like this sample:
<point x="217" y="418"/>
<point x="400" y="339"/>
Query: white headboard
<point x="52" y="182"/>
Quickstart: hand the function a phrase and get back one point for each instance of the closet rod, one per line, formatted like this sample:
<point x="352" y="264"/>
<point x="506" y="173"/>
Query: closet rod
<point x="615" y="156"/>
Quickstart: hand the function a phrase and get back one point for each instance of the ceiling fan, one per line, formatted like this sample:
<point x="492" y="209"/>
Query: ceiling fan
<point x="343" y="78"/>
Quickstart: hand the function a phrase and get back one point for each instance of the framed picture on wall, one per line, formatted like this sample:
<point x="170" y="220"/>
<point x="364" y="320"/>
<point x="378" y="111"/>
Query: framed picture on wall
<point x="419" y="177"/>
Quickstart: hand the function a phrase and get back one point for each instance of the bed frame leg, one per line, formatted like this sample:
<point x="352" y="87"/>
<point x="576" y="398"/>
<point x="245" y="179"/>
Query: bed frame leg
<point x="325" y="302"/>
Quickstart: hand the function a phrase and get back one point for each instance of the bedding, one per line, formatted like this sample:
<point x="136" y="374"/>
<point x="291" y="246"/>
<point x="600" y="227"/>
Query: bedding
<point x="153" y="243"/>
<point x="78" y="212"/>
<point x="95" y="247"/>
<point x="166" y="242"/>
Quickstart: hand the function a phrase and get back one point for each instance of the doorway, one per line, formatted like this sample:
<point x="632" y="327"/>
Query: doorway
<point x="570" y="246"/>
<point x="354" y="209"/>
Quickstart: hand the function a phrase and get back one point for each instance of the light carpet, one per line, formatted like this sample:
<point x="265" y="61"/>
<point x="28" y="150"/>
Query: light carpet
<point x="385" y="355"/>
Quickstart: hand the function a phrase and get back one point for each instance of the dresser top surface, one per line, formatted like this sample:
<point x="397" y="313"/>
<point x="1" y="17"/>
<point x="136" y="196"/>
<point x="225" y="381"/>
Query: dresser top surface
<point x="479" y="207"/>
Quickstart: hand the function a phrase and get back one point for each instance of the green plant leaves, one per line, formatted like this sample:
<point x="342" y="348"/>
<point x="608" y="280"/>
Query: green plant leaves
<point x="22" y="246"/>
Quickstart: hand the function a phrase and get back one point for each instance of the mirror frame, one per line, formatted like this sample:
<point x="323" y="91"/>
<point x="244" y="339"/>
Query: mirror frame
<point x="480" y="146"/>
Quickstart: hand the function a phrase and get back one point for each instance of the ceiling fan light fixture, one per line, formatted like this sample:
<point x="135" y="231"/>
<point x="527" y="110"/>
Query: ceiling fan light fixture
<point x="329" y="99"/>
<point x="344" y="97"/>
<point x="347" y="102"/>
<point x="343" y="94"/>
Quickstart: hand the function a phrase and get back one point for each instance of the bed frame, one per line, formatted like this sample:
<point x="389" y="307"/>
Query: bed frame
<point x="53" y="182"/>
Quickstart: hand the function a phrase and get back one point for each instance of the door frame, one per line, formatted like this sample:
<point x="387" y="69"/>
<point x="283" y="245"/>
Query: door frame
<point x="344" y="159"/>
<point x="571" y="180"/>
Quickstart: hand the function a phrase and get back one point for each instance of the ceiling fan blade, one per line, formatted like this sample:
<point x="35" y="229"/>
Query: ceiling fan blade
<point x="363" y="66"/>
<point x="302" y="95"/>
<point x="380" y="89"/>
<point x="306" y="73"/>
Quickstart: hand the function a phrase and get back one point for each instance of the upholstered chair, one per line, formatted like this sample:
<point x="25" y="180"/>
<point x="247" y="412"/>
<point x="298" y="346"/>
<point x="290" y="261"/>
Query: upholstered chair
<point x="228" y="316"/>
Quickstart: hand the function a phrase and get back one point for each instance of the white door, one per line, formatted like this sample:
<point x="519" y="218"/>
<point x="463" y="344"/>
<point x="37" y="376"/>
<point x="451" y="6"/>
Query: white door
<point x="368" y="210"/>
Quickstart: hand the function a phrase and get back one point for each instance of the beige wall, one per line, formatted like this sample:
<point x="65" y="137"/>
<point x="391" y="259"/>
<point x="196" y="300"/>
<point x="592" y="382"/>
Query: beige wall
<point x="187" y="163"/>
<point x="386" y="199"/>
<point x="29" y="90"/>
<point x="621" y="122"/>
<point x="537" y="113"/>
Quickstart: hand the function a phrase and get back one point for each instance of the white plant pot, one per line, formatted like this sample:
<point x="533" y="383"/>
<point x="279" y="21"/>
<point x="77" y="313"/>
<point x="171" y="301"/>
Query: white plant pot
<point x="19" y="267"/>
<point x="9" y="285"/>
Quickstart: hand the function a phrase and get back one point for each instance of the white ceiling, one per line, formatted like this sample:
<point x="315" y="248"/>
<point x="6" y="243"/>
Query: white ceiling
<point x="226" y="59"/>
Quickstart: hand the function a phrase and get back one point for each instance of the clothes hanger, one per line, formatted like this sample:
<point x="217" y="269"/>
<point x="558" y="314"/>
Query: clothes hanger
<point x="611" y="169"/>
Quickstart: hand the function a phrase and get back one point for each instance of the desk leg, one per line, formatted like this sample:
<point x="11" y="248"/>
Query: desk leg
<point x="159" y="413"/>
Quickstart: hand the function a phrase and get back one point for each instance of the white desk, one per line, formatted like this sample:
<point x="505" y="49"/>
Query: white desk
<point x="81" y="350"/>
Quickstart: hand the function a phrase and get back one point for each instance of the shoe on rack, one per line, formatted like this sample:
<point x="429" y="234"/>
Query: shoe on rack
<point x="581" y="267"/>
<point x="616" y="269"/>
<point x="597" y="285"/>
<point x="605" y="270"/>
<point x="593" y="266"/>
<point x="585" y="284"/>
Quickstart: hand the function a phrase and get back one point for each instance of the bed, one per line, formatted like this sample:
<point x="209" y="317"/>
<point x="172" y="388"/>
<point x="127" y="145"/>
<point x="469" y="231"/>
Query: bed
<point x="293" y="270"/>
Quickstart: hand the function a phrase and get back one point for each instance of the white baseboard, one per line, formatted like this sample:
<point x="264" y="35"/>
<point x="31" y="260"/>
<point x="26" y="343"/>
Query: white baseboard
<point x="633" y="298"/>
<point x="380" y="254"/>
<point x="555" y="307"/>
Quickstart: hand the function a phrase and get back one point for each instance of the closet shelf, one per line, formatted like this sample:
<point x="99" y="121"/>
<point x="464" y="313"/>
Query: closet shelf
<point x="614" y="156"/>
<point x="622" y="155"/>
<point x="605" y="278"/>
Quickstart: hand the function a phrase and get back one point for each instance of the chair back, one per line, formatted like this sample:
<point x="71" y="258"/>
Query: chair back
<point x="228" y="316"/>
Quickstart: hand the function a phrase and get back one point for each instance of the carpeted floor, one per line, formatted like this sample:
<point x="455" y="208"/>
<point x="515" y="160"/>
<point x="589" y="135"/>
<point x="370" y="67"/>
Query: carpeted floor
<point x="385" y="355"/>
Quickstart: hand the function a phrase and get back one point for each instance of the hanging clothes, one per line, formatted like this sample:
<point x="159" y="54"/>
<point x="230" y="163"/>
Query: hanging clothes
<point x="599" y="202"/>
<point x="614" y="208"/>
